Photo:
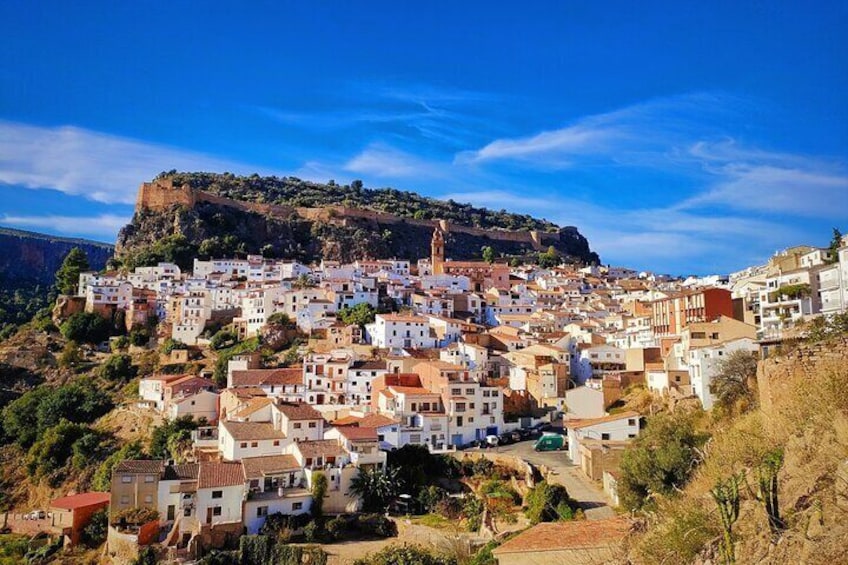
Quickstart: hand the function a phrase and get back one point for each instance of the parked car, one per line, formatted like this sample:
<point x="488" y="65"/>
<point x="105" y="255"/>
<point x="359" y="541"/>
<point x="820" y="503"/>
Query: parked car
<point x="550" y="442"/>
<point x="525" y="433"/>
<point x="505" y="438"/>
<point x="492" y="441"/>
<point x="37" y="515"/>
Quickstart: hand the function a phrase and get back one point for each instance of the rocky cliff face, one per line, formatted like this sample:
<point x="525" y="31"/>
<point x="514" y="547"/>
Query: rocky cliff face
<point x="33" y="258"/>
<point x="175" y="223"/>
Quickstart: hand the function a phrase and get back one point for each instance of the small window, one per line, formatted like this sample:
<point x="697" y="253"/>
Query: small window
<point x="605" y="437"/>
<point x="216" y="511"/>
<point x="261" y="511"/>
<point x="276" y="443"/>
<point x="297" y="425"/>
<point x="148" y="498"/>
<point x="312" y="424"/>
<point x="187" y="511"/>
<point x="631" y="422"/>
<point x="125" y="499"/>
<point x="217" y="494"/>
<point x="126" y="478"/>
<point x="243" y="445"/>
<point x="254" y="444"/>
<point x="297" y="505"/>
<point x="149" y="478"/>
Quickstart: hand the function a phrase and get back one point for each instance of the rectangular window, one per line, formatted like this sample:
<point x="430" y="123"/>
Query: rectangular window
<point x="631" y="422"/>
<point x="261" y="511"/>
<point x="217" y="494"/>
<point x="125" y="499"/>
<point x="605" y="437"/>
<point x="243" y="445"/>
<point x="149" y="478"/>
<point x="312" y="424"/>
<point x="187" y="511"/>
<point x="297" y="505"/>
<point x="276" y="443"/>
<point x="297" y="425"/>
<point x="254" y="444"/>
<point x="126" y="479"/>
<point x="148" y="498"/>
<point x="216" y="511"/>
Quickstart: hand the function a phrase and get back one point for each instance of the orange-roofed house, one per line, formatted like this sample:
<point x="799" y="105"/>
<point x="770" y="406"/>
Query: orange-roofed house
<point x="573" y="542"/>
<point x="71" y="514"/>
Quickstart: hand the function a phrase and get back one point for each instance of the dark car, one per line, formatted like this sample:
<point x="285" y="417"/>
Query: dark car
<point x="525" y="433"/>
<point x="505" y="438"/>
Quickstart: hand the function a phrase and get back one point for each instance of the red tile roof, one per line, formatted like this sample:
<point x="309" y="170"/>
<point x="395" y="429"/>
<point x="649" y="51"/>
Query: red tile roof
<point x="299" y="411"/>
<point x="225" y="474"/>
<point x="574" y="534"/>
<point x="81" y="500"/>
<point x="267" y="377"/>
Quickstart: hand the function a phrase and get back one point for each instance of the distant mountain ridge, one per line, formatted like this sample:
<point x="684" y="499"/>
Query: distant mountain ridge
<point x="32" y="258"/>
<point x="182" y="215"/>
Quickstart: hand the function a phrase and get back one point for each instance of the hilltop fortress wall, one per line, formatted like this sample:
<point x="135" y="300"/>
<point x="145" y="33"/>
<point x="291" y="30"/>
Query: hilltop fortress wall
<point x="162" y="195"/>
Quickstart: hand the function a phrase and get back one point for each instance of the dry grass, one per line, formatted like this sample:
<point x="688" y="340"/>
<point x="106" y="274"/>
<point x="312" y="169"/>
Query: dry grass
<point x="808" y="418"/>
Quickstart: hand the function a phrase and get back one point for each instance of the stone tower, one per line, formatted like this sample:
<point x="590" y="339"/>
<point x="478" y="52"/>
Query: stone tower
<point x="437" y="252"/>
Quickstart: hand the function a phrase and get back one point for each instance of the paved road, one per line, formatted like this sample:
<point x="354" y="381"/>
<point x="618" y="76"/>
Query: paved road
<point x="588" y="495"/>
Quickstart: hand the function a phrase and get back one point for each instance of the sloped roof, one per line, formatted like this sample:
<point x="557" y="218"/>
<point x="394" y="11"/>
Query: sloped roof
<point x="255" y="467"/>
<point x="220" y="474"/>
<point x="141" y="466"/>
<point x="252" y="431"/>
<point x="267" y="377"/>
<point x="572" y="534"/>
<point x="81" y="500"/>
<point x="298" y="411"/>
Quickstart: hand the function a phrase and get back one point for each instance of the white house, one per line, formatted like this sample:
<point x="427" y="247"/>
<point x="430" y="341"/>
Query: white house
<point x="401" y="331"/>
<point x="617" y="427"/>
<point x="705" y="362"/>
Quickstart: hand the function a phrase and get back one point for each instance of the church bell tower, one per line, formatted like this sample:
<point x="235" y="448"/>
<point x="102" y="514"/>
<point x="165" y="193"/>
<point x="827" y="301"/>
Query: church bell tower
<point x="437" y="252"/>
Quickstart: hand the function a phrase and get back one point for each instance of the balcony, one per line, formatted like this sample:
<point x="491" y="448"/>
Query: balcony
<point x="277" y="494"/>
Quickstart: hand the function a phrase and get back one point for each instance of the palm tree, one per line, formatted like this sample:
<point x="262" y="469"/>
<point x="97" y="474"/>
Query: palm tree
<point x="375" y="488"/>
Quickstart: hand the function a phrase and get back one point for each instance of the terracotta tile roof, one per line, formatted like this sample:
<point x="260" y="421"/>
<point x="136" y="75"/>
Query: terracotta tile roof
<point x="141" y="466"/>
<point x="166" y="378"/>
<point x="574" y="534"/>
<point x="298" y="411"/>
<point x="220" y="474"/>
<point x="252" y="431"/>
<point x="253" y="405"/>
<point x="354" y="433"/>
<point x="320" y="448"/>
<point x="184" y="472"/>
<point x="81" y="500"/>
<point x="369" y="365"/>
<point x="256" y="467"/>
<point x="267" y="377"/>
<point x="578" y="424"/>
<point x="376" y="421"/>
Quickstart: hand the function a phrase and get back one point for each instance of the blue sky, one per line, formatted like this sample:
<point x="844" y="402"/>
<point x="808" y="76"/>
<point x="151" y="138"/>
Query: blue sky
<point x="684" y="137"/>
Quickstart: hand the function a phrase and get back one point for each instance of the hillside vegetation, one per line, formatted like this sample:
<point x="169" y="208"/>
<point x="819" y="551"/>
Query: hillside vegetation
<point x="794" y="443"/>
<point x="292" y="191"/>
<point x="179" y="232"/>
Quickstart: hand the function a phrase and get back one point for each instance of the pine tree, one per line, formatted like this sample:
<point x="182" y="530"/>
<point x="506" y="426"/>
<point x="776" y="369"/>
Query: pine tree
<point x="67" y="277"/>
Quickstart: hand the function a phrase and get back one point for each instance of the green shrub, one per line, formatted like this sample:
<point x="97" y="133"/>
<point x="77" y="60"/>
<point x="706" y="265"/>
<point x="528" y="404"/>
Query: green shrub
<point x="118" y="367"/>
<point x="86" y="327"/>
<point x="548" y="502"/>
<point x="405" y="555"/>
<point x="336" y="528"/>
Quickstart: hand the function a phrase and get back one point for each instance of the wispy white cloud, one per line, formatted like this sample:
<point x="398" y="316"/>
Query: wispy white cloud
<point x="501" y="199"/>
<point x="635" y="134"/>
<point x="95" y="165"/>
<point x="383" y="161"/>
<point x="102" y="226"/>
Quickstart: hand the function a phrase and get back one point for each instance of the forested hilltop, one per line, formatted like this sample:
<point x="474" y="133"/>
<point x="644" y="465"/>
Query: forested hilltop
<point x="292" y="191"/>
<point x="180" y="216"/>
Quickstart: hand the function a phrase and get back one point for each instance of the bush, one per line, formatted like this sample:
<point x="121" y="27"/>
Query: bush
<point x="660" y="460"/>
<point x="375" y="525"/>
<point x="497" y="488"/>
<point x="163" y="440"/>
<point x="118" y="367"/>
<point x="312" y="531"/>
<point x="548" y="502"/>
<point x="336" y="527"/>
<point x="319" y="491"/>
<point x="223" y="339"/>
<point x="472" y="511"/>
<point x="135" y="516"/>
<point x="139" y="337"/>
<point x="52" y="451"/>
<point x="170" y="344"/>
<point x="70" y="356"/>
<point x="430" y="497"/>
<point x="482" y="467"/>
<point x="94" y="534"/>
<point x="86" y="327"/>
<point x="405" y="555"/>
<point x="120" y="343"/>
<point x="102" y="479"/>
